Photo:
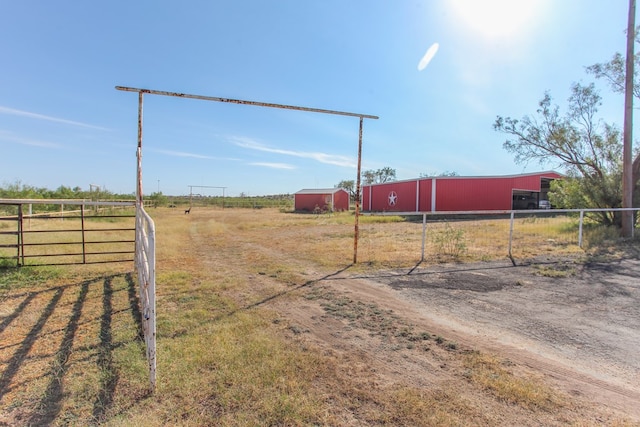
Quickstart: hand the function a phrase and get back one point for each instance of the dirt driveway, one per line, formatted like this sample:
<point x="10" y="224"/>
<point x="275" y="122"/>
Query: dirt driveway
<point x="574" y="323"/>
<point x="578" y="324"/>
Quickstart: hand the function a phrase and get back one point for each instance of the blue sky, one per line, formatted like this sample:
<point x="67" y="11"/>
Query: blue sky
<point x="62" y="122"/>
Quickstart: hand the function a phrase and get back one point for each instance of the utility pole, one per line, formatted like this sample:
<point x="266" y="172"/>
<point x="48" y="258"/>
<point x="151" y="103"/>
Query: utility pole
<point x="627" y="152"/>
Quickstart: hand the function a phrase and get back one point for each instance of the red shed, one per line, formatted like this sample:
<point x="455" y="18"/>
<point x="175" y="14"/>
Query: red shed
<point x="459" y="193"/>
<point x="336" y="199"/>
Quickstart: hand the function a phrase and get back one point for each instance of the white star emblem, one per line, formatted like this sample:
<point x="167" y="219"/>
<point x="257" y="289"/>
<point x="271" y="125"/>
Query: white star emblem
<point x="393" y="197"/>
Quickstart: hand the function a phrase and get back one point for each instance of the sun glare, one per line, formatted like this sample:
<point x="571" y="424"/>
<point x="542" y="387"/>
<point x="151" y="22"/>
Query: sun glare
<point x="496" y="18"/>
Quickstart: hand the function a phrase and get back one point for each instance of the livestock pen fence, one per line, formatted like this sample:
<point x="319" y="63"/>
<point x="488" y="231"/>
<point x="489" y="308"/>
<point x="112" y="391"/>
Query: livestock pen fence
<point x="45" y="232"/>
<point x="487" y="235"/>
<point x="38" y="232"/>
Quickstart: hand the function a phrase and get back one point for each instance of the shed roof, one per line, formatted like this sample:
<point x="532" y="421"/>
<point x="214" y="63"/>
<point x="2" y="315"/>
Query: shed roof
<point x="319" y="191"/>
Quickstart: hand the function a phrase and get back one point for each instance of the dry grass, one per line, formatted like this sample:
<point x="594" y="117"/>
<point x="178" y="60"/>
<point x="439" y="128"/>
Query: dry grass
<point x="71" y="351"/>
<point x="492" y="374"/>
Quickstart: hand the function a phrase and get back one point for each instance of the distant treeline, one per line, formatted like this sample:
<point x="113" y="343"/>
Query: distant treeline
<point x="19" y="190"/>
<point x="281" y="201"/>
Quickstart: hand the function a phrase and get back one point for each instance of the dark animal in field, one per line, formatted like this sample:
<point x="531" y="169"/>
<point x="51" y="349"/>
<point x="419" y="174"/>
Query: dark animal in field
<point x="187" y="211"/>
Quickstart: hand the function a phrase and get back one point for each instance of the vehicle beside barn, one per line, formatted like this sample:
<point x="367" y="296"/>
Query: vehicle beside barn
<point x="459" y="193"/>
<point x="321" y="200"/>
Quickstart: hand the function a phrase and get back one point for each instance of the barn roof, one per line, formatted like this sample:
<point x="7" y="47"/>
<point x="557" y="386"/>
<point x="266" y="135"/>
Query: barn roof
<point x="543" y="174"/>
<point x="319" y="191"/>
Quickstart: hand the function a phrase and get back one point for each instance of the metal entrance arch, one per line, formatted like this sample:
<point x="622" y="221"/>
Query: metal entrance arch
<point x="141" y="92"/>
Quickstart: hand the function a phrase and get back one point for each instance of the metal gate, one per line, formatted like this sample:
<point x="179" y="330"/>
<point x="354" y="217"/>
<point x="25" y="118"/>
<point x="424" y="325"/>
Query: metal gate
<point x="88" y="232"/>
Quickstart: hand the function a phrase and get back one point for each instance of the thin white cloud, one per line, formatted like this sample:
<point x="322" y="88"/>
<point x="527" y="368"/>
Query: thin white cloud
<point x="7" y="136"/>
<point x="428" y="56"/>
<point x="273" y="165"/>
<point x="191" y="155"/>
<point x="14" y="112"/>
<point x="330" y="159"/>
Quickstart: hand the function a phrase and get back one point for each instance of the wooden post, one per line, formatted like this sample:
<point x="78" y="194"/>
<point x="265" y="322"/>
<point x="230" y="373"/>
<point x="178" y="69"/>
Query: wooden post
<point x="627" y="153"/>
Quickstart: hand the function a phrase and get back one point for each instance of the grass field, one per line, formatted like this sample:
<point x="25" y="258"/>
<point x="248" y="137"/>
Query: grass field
<point x="71" y="351"/>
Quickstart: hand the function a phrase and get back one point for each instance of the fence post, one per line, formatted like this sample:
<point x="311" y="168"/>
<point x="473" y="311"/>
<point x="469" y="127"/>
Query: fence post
<point x="20" y="258"/>
<point x="424" y="233"/>
<point x="84" y="250"/>
<point x="580" y="229"/>
<point x="511" y="238"/>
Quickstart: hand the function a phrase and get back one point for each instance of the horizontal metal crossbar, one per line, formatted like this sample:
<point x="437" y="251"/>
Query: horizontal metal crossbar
<point x="78" y="229"/>
<point x="77" y="254"/>
<point x="64" y="202"/>
<point x="77" y="263"/>
<point x="70" y="243"/>
<point x="243" y="102"/>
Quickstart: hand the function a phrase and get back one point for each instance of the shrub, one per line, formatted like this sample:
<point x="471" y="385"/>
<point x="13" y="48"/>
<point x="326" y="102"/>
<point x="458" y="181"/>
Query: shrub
<point x="450" y="241"/>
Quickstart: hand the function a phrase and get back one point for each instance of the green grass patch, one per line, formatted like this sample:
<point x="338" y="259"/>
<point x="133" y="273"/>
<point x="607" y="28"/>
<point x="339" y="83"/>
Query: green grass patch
<point x="12" y="277"/>
<point x="381" y="219"/>
<point x="555" y="271"/>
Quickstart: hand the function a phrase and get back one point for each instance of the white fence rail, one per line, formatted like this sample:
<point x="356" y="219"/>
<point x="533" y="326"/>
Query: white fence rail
<point x="145" y="261"/>
<point x="516" y="234"/>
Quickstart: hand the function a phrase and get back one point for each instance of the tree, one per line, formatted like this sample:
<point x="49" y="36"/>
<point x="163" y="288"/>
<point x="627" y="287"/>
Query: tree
<point x="369" y="177"/>
<point x="614" y="70"/>
<point x="64" y="192"/>
<point x="379" y="176"/>
<point x="615" y="73"/>
<point x="159" y="199"/>
<point x="348" y="185"/>
<point x="445" y="173"/>
<point x="589" y="149"/>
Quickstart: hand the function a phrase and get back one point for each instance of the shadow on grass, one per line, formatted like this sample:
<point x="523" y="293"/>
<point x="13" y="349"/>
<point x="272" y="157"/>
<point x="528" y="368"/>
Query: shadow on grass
<point x="19" y="356"/>
<point x="134" y="304"/>
<point x="50" y="406"/>
<point x="427" y="270"/>
<point x="108" y="373"/>
<point x="51" y="401"/>
<point x="19" y="309"/>
<point x="333" y="276"/>
<point x="288" y="291"/>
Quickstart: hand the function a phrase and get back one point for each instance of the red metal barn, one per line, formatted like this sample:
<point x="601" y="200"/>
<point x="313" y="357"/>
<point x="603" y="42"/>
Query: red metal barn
<point x="459" y="193"/>
<point x="309" y="200"/>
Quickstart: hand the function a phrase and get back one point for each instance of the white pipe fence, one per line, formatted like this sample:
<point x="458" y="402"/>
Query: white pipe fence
<point x="519" y="222"/>
<point x="145" y="261"/>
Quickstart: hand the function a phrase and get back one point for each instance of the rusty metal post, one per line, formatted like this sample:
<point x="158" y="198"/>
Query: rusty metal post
<point x="139" y="195"/>
<point x="20" y="237"/>
<point x="356" y="230"/>
<point x="84" y="241"/>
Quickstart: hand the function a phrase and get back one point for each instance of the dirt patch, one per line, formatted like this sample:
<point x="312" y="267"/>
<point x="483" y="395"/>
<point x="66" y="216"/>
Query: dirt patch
<point x="575" y="324"/>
